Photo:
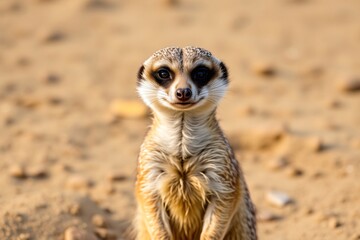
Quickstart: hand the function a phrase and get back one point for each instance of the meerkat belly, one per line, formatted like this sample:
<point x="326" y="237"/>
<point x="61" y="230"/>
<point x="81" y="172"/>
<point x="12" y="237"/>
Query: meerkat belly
<point x="184" y="190"/>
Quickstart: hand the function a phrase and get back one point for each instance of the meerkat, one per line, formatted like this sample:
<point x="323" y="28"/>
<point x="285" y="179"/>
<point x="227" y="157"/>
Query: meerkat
<point x="189" y="185"/>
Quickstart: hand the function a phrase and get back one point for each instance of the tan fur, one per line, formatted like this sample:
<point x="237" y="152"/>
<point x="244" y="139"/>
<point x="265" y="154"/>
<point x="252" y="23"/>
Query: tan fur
<point x="189" y="184"/>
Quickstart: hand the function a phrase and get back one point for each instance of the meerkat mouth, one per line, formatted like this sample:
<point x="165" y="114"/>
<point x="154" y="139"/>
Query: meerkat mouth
<point x="186" y="104"/>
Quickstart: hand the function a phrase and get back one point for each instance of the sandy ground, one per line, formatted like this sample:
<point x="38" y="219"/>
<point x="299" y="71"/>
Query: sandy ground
<point x="292" y="112"/>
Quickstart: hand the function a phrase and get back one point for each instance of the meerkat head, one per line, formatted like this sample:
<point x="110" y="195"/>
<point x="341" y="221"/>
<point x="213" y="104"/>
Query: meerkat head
<point x="182" y="79"/>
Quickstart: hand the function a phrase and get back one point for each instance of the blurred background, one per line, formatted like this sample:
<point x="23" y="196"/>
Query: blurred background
<point x="71" y="122"/>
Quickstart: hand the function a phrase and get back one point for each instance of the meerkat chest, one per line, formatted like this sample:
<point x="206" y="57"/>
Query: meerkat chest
<point x="183" y="177"/>
<point x="183" y="188"/>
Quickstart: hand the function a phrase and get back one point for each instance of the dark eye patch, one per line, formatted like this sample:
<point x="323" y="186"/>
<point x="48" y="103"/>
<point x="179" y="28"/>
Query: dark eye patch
<point x="201" y="75"/>
<point x="140" y="75"/>
<point x="163" y="76"/>
<point x="224" y="71"/>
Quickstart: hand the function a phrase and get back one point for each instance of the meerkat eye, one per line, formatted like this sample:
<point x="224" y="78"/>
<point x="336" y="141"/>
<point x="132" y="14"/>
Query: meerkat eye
<point x="201" y="75"/>
<point x="163" y="74"/>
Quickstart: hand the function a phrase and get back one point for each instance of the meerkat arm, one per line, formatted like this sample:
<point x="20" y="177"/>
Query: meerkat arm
<point x="155" y="224"/>
<point x="217" y="218"/>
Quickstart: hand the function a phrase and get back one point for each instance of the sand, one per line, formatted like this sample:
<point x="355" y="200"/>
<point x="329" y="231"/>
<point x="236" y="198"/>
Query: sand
<point x="68" y="156"/>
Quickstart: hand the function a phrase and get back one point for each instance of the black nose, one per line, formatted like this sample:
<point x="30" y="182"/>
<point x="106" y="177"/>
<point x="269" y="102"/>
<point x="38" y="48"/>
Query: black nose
<point x="183" y="94"/>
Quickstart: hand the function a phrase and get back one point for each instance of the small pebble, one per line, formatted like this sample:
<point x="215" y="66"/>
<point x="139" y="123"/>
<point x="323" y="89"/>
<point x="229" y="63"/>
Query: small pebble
<point x="19" y="217"/>
<point x="54" y="100"/>
<point x="170" y="3"/>
<point x="98" y="220"/>
<point x="105" y="234"/>
<point x="44" y="1"/>
<point x="51" y="78"/>
<point x="102" y="191"/>
<point x="333" y="103"/>
<point x="278" y="199"/>
<point x="263" y="69"/>
<point x="298" y="1"/>
<point x="23" y="236"/>
<point x="314" y="71"/>
<point x="23" y="61"/>
<point x="246" y="111"/>
<point x="323" y="216"/>
<point x="261" y="137"/>
<point x="128" y="109"/>
<point x="317" y="174"/>
<point x="54" y="36"/>
<point x="74" y="209"/>
<point x="110" y="119"/>
<point x="355" y="236"/>
<point x="330" y="125"/>
<point x="36" y="172"/>
<point x="74" y="233"/>
<point x="273" y="131"/>
<point x="63" y="167"/>
<point x="108" y="188"/>
<point x="17" y="171"/>
<point x="239" y="22"/>
<point x="8" y="120"/>
<point x="78" y="182"/>
<point x="334" y="223"/>
<point x="107" y="210"/>
<point x="314" y="144"/>
<point x="15" y="7"/>
<point x="266" y="216"/>
<point x="97" y="4"/>
<point x="8" y="114"/>
<point x="294" y="172"/>
<point x="27" y="102"/>
<point x="351" y="84"/>
<point x="277" y="163"/>
<point x="116" y="176"/>
<point x="307" y="211"/>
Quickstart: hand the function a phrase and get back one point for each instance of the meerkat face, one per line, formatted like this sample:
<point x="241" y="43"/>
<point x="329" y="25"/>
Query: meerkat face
<point x="182" y="79"/>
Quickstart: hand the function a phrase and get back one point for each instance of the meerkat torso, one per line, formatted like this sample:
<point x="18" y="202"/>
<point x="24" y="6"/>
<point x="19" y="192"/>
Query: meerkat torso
<point x="189" y="184"/>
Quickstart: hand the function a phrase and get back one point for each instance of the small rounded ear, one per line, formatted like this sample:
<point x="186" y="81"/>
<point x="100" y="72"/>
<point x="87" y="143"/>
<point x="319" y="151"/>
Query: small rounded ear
<point x="224" y="71"/>
<point x="140" y="74"/>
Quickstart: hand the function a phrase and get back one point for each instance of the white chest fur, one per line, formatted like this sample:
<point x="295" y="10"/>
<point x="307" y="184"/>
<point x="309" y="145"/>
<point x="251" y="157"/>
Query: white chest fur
<point x="184" y="134"/>
<point x="187" y="165"/>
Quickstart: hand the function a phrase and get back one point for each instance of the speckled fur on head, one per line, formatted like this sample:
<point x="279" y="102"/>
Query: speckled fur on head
<point x="178" y="54"/>
<point x="189" y="184"/>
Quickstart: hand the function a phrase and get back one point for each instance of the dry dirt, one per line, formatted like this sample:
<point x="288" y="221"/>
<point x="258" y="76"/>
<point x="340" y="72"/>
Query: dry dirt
<point x="292" y="111"/>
